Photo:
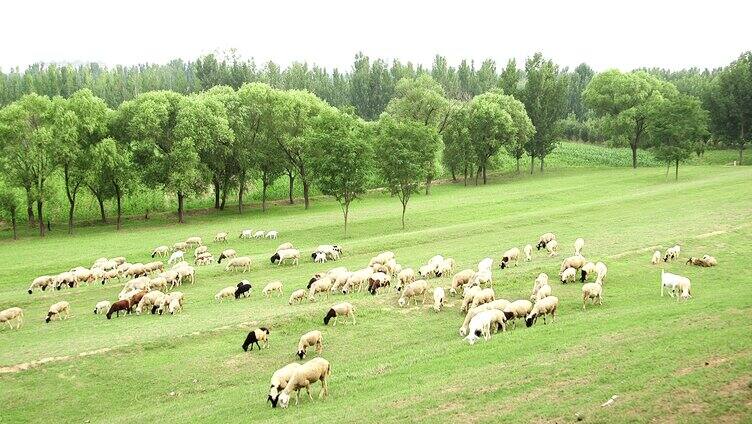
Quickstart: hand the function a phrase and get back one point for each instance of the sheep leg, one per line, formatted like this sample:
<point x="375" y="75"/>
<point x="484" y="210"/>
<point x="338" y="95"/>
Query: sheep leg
<point x="353" y="317"/>
<point x="308" y="391"/>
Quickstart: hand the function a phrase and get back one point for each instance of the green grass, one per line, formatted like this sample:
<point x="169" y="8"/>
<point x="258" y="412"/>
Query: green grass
<point x="668" y="361"/>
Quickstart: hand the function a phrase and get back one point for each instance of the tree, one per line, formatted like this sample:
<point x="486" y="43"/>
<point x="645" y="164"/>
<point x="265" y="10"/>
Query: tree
<point x="678" y="125"/>
<point x="341" y="157"/>
<point x="26" y="142"/>
<point x="730" y="103"/>
<point x="458" y="152"/>
<point x="9" y="205"/>
<point x="113" y="164"/>
<point x="490" y="126"/>
<point x="510" y="77"/>
<point x="522" y="125"/>
<point x="626" y="100"/>
<point x="406" y="148"/>
<point x="150" y="121"/>
<point x="544" y="96"/>
<point x="578" y="80"/>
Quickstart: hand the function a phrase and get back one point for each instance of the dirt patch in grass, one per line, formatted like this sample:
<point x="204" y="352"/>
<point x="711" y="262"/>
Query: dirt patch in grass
<point x="740" y="385"/>
<point x="711" y="362"/>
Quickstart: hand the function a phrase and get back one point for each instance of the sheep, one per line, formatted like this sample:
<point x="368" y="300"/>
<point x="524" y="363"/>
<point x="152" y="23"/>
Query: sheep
<point x="181" y="245"/>
<point x="227" y="254"/>
<point x="671" y="282"/>
<point x="243" y="289"/>
<point x="540" y="280"/>
<point x="482" y="322"/>
<point x="119" y="260"/>
<point x="592" y="291"/>
<point x="136" y="297"/>
<point x="540" y="292"/>
<point x="330" y="251"/>
<point x="221" y="237"/>
<point x="575" y="262"/>
<point x="57" y="310"/>
<point x="705" y="261"/>
<point x="135" y="270"/>
<point x="205" y="259"/>
<point x="225" y="292"/>
<point x="322" y="285"/>
<point x="101" y="307"/>
<point x="405" y="277"/>
<point x="259" y="234"/>
<point x="260" y="334"/>
<point x="174" y="302"/>
<point x="63" y="279"/>
<point x="685" y="288"/>
<point x="158" y="283"/>
<point x="436" y="260"/>
<point x="508" y="256"/>
<point x="41" y="283"/>
<point x="242" y="262"/>
<point x="345" y="309"/>
<point x="460" y="279"/>
<point x="160" y="251"/>
<point x="11" y="314"/>
<point x="246" y="234"/>
<point x="82" y="275"/>
<point x="319" y="257"/>
<point x="656" y="257"/>
<point x="438" y="298"/>
<point x="467" y="296"/>
<point x="481" y="278"/>
<point x="552" y="248"/>
<point x="171" y="277"/>
<point x="528" y="251"/>
<point x="517" y="309"/>
<point x="120" y="305"/>
<point x="426" y="271"/>
<point x="357" y="279"/>
<point x="135" y="284"/>
<point x="293" y="255"/>
<point x="194" y="241"/>
<point x="499" y="304"/>
<point x="339" y="277"/>
<point x="317" y="369"/>
<point x="274" y="286"/>
<point x="543" y="307"/>
<point x="109" y="275"/>
<point x="544" y="239"/>
<point x="376" y="281"/>
<point x="284" y="246"/>
<point x="381" y="258"/>
<point x="485" y="264"/>
<point x="106" y="265"/>
<point x="179" y="265"/>
<point x="483" y="296"/>
<point x="578" y="245"/>
<point x="600" y="270"/>
<point x="311" y="338"/>
<point x="587" y="270"/>
<point x="413" y="290"/>
<point x="297" y="296"/>
<point x="672" y="253"/>
<point x="279" y="381"/>
<point x="446" y="267"/>
<point x="568" y="275"/>
<point x="150" y="300"/>
<point x="176" y="256"/>
<point x="156" y="266"/>
<point x="199" y="250"/>
<point x="272" y="234"/>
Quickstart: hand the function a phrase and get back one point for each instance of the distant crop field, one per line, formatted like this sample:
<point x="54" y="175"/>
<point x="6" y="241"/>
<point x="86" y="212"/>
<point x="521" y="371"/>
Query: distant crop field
<point x="666" y="360"/>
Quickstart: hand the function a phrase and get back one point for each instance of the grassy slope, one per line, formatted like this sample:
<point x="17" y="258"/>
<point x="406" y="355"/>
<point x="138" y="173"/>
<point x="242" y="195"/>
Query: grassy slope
<point x="682" y="361"/>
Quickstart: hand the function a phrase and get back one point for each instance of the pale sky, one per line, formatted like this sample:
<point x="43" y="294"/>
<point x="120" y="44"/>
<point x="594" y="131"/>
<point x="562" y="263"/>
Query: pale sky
<point x="604" y="34"/>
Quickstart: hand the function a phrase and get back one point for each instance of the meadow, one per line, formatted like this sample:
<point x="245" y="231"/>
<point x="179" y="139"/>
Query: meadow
<point x="667" y="360"/>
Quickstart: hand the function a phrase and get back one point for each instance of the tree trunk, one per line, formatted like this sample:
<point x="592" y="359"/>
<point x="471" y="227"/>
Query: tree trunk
<point x="741" y="151"/>
<point x="40" y="204"/>
<point x="291" y="176"/>
<point x="518" y="165"/>
<point x="306" y="202"/>
<point x="677" y="170"/>
<point x="241" y="189"/>
<point x="634" y="154"/>
<point x="264" y="186"/>
<point x="180" y="207"/>
<point x="71" y="195"/>
<point x="532" y="164"/>
<point x="119" y="208"/>
<point x="224" y="199"/>
<point x="30" y="207"/>
<point x="102" y="213"/>
<point x="454" y="175"/>
<point x="541" y="163"/>
<point x="347" y="211"/>
<point x="668" y="168"/>
<point x="428" y="185"/>
<point x="71" y="207"/>
<point x="404" y="206"/>
<point x="13" y="223"/>
<point x="465" y="175"/>
<point x="215" y="182"/>
<point x="485" y="180"/>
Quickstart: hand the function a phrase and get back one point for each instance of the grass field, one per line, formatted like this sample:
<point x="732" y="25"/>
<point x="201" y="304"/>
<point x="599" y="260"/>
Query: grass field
<point x="667" y="361"/>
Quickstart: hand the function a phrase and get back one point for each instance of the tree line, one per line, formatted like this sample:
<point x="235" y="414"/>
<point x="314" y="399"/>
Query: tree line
<point x="182" y="128"/>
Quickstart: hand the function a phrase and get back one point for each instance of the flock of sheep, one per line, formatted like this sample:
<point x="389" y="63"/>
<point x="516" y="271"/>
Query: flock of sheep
<point x="149" y="287"/>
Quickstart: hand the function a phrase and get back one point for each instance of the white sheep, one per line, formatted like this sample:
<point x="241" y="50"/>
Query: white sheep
<point x="317" y="369"/>
<point x="181" y="245"/>
<point x="541" y="292"/>
<point x="319" y="257"/>
<point x="242" y="262"/>
<point x="575" y="262"/>
<point x="246" y="234"/>
<point x="228" y="291"/>
<point x="330" y="251"/>
<point x="279" y="381"/>
<point x="568" y="275"/>
<point x="499" y="304"/>
<point x="174" y="302"/>
<point x="484" y="277"/>
<point x="483" y="296"/>
<point x="543" y="307"/>
<point x="485" y="264"/>
<point x="41" y="283"/>
<point x="656" y="257"/>
<point x="357" y="279"/>
<point x="592" y="291"/>
<point x="292" y="255"/>
<point x="672" y="253"/>
<point x="227" y="254"/>
<point x="150" y="300"/>
<point x="482" y="322"/>
<point x="587" y="271"/>
<point x="438" y="298"/>
<point x="11" y="314"/>
<point x="405" y="277"/>
<point x="540" y="280"/>
<point x="552" y="247"/>
<point x="510" y="255"/>
<point x="672" y="282"/>
<point x="578" y="245"/>
<point x="528" y="251"/>
<point x="200" y="250"/>
<point x="60" y="310"/>
<point x="102" y="307"/>
<point x="381" y="258"/>
<point x="460" y="279"/>
<point x="518" y="309"/>
<point x="344" y="309"/>
<point x="176" y="256"/>
<point x="311" y="338"/>
<point x="259" y="234"/>
<point x="446" y="267"/>
<point x="322" y="285"/>
<point x="283" y="246"/>
<point x="297" y="296"/>
<point x="467" y="296"/>
<point x="413" y="290"/>
<point x="544" y="240"/>
<point x="194" y="241"/>
<point x="274" y="286"/>
<point x="600" y="270"/>
<point x="272" y="234"/>
<point x="221" y="237"/>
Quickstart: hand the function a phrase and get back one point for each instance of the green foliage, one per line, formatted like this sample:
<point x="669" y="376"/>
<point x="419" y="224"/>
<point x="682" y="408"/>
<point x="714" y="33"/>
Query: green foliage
<point x="9" y="205"/>
<point x="678" y="125"/>
<point x="730" y="103"/>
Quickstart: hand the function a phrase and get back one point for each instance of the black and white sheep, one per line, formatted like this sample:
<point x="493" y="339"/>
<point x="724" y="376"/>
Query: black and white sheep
<point x="243" y="289"/>
<point x="292" y="255"/>
<point x="344" y="309"/>
<point x="255" y="336"/>
<point x="311" y="338"/>
<point x="317" y="369"/>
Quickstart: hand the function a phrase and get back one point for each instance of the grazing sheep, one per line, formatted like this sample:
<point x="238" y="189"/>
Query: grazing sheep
<point x="11" y="314"/>
<point x="460" y="279"/>
<point x="578" y="245"/>
<point x="339" y="277"/>
<point x="242" y="262"/>
<point x="136" y="297"/>
<point x="181" y="245"/>
<point x="438" y="298"/>
<point x="120" y="305"/>
<point x="64" y="279"/>
<point x="176" y="256"/>
<point x="552" y="248"/>
<point x="158" y="283"/>
<point x="272" y="234"/>
<point x="284" y="246"/>
<point x="592" y="291"/>
<point x="150" y="300"/>
<point x="109" y="275"/>
<point x="317" y="369"/>
<point x="671" y="282"/>
<point x="344" y="309"/>
<point x="544" y="240"/>
<point x="517" y="309"/>
<point x="586" y="271"/>
<point x="311" y="338"/>
<point x="260" y="334"/>
<point x="259" y="234"/>
<point x="540" y="292"/>
<point x="482" y="322"/>
<point x="119" y="260"/>
<point x="134" y="284"/>
<point x="481" y="278"/>
<point x="274" y="286"/>
<point x="575" y="262"/>
<point x="568" y="275"/>
<point x="672" y="253"/>
<point x="705" y="261"/>
<point x="58" y="310"/>
<point x="426" y="271"/>
<point x="200" y="250"/>
<point x="227" y="254"/>
<point x="378" y="280"/>
<point x="194" y="241"/>
<point x="135" y="270"/>
<point x="656" y="257"/>
<point x="412" y="291"/>
<point x="540" y="280"/>
<point x="279" y="381"/>
<point x="171" y="277"/>
<point x="246" y="234"/>
<point x="446" y="267"/>
<point x="205" y="259"/>
<point x="221" y="237"/>
<point x="225" y="292"/>
<point x="543" y="307"/>
<point x="243" y="289"/>
<point x="292" y="255"/>
<point x="319" y="257"/>
<point x="499" y="304"/>
<point x="156" y="266"/>
<point x="41" y="283"/>
<point x="508" y="256"/>
<point x="297" y="296"/>
<point x="381" y="258"/>
<point x="101" y="307"/>
<point x="600" y="270"/>
<point x="357" y="279"/>
<point x="528" y="251"/>
<point x="483" y="296"/>
<point x="330" y="251"/>
<point x="174" y="302"/>
<point x="485" y="264"/>
<point x="322" y="285"/>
